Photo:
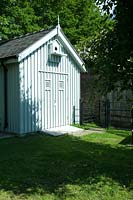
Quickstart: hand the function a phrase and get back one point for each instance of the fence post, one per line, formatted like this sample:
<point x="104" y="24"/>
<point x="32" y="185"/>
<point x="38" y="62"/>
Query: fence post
<point x="105" y="125"/>
<point x="132" y="124"/>
<point x="74" y="114"/>
<point x="107" y="113"/>
<point x="81" y="112"/>
<point x="99" y="112"/>
<point x="105" y="117"/>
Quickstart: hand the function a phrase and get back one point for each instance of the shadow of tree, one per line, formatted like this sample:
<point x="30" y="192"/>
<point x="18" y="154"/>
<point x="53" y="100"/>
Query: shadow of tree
<point x="49" y="163"/>
<point x="119" y="132"/>
<point x="30" y="121"/>
<point x="123" y="133"/>
<point x="126" y="140"/>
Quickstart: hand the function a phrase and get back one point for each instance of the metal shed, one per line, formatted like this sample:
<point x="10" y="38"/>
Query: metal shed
<point x="39" y="82"/>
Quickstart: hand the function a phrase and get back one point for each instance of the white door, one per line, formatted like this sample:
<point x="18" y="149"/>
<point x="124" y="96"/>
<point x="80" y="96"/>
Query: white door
<point x="55" y="100"/>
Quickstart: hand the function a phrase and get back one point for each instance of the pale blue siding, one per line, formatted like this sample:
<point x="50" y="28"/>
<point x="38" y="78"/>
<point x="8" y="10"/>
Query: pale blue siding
<point x="49" y="88"/>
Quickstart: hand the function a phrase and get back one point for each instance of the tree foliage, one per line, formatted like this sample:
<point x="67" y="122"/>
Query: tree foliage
<point x="111" y="53"/>
<point x="17" y="17"/>
<point x="80" y="19"/>
<point x="103" y="39"/>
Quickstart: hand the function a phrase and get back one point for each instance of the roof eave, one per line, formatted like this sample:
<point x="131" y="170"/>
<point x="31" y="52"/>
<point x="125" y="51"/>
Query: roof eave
<point x="9" y="59"/>
<point x="36" y="45"/>
<point x="70" y="48"/>
<point x="55" y="32"/>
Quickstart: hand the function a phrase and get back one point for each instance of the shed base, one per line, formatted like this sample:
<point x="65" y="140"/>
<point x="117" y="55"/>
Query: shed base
<point x="62" y="130"/>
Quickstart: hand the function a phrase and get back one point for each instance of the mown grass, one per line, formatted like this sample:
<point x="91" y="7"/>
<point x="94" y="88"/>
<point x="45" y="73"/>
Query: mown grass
<point x="92" y="167"/>
<point x="87" y="126"/>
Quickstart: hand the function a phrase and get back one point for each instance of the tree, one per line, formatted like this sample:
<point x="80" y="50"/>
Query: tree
<point x="79" y="19"/>
<point x="111" y="52"/>
<point x="17" y="18"/>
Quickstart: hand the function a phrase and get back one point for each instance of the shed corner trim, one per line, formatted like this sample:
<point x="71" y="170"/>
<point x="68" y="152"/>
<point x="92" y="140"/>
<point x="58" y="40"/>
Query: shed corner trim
<point x="72" y="50"/>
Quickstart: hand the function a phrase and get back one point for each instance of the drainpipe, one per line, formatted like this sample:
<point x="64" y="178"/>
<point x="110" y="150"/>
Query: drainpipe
<point x="5" y="95"/>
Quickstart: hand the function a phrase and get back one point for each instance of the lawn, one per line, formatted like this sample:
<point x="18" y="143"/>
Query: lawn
<point x="91" y="167"/>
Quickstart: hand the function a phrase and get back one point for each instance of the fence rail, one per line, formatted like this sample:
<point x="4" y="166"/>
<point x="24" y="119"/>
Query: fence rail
<point x="106" y="113"/>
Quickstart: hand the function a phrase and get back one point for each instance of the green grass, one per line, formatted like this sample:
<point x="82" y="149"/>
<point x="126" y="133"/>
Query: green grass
<point x="92" y="167"/>
<point x="87" y="126"/>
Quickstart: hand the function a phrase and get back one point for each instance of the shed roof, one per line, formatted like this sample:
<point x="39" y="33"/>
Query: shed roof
<point x="15" y="46"/>
<point x="24" y="45"/>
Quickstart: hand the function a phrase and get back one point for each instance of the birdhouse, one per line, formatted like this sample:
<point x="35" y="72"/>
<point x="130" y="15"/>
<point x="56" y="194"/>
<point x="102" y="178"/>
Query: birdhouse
<point x="54" y="48"/>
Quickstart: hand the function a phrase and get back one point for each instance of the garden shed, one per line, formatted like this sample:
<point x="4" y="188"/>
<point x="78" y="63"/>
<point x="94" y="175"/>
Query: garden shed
<point x="39" y="82"/>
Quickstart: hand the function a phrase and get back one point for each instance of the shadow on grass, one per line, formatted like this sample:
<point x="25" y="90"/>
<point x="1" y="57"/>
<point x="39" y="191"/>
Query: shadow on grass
<point x="123" y="133"/>
<point x="29" y="163"/>
<point x="118" y="132"/>
<point x="126" y="140"/>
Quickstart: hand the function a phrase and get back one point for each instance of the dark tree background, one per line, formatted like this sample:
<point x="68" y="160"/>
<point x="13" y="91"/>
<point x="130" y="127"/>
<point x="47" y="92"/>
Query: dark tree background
<point x="112" y="51"/>
<point x="103" y="38"/>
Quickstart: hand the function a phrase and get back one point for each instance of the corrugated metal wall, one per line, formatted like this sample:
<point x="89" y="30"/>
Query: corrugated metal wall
<point x="49" y="88"/>
<point x="1" y="98"/>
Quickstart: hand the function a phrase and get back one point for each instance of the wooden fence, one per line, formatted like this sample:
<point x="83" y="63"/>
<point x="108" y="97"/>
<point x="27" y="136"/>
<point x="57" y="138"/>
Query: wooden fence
<point x="106" y="113"/>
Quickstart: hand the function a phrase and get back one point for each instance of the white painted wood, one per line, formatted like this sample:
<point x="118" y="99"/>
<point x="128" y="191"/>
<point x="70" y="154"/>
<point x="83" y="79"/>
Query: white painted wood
<point x="53" y="72"/>
<point x="43" y="91"/>
<point x="36" y="45"/>
<point x="62" y="39"/>
<point x="71" y="50"/>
